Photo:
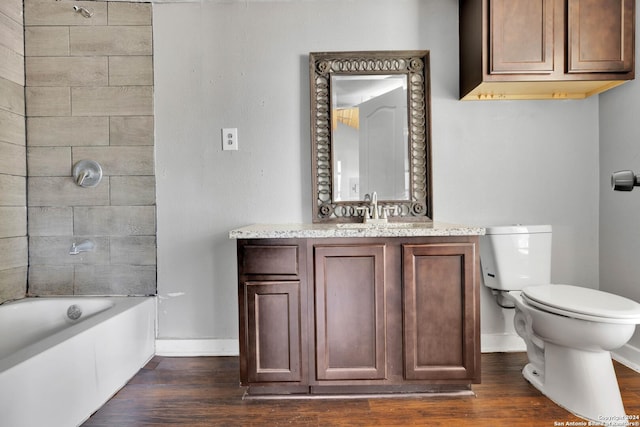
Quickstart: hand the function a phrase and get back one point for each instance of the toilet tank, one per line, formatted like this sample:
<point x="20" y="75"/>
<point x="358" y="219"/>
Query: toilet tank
<point x="512" y="257"/>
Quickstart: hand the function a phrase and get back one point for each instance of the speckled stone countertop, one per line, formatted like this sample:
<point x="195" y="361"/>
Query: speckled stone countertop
<point x="314" y="231"/>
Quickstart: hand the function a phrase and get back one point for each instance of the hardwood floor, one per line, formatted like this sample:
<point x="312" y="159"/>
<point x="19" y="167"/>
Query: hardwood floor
<point x="204" y="391"/>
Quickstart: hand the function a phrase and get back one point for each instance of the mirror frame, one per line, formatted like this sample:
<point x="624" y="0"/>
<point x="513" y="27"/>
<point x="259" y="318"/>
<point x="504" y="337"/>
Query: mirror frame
<point x="415" y="65"/>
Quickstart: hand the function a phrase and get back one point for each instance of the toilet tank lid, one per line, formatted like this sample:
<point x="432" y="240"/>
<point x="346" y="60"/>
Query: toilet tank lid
<point x="517" y="229"/>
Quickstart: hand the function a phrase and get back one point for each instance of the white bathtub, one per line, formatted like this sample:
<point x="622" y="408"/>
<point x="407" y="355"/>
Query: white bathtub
<point x="55" y="371"/>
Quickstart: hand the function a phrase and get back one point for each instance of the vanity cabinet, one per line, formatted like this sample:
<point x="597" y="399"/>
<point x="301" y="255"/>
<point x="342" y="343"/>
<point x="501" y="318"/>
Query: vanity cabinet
<point x="540" y="49"/>
<point x="271" y="297"/>
<point x="359" y="315"/>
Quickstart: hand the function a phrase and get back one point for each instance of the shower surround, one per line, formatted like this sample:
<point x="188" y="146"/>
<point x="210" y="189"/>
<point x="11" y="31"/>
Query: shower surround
<point x="89" y="95"/>
<point x="13" y="170"/>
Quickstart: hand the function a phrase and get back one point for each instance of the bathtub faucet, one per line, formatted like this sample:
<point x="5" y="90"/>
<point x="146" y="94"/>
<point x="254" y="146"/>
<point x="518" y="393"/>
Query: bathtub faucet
<point x="84" y="246"/>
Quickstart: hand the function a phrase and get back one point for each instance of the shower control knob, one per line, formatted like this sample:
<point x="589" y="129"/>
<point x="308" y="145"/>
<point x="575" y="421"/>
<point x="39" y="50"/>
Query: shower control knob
<point x="87" y="173"/>
<point x="624" y="180"/>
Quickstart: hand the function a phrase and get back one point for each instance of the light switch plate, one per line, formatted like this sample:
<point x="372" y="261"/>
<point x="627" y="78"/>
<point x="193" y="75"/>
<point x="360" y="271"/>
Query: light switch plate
<point x="229" y="138"/>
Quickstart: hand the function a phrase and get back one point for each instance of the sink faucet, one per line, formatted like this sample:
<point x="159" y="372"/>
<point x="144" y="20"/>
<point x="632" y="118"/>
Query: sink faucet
<point x="374" y="214"/>
<point x="371" y="213"/>
<point x="374" y="205"/>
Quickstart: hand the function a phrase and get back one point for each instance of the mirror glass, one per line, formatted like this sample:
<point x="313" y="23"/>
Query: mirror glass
<point x="370" y="132"/>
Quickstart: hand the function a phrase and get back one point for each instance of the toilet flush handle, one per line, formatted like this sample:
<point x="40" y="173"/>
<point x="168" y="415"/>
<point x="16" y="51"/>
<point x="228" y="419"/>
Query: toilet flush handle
<point x="624" y="180"/>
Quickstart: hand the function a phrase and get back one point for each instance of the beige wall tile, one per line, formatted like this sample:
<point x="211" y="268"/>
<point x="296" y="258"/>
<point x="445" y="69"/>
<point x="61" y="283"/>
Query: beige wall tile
<point x="12" y="128"/>
<point x="115" y="221"/>
<point x="12" y="9"/>
<point x="133" y="250"/>
<point x="12" y="97"/>
<point x="46" y="41"/>
<point x="48" y="101"/>
<point x="129" y="13"/>
<point x="37" y="12"/>
<point x="12" y="159"/>
<point x="89" y="95"/>
<point x="128" y="130"/>
<point x="12" y="190"/>
<point x="13" y="252"/>
<point x="130" y="70"/>
<point x="68" y="131"/>
<point x="55" y="250"/>
<point x="11" y="65"/>
<point x="13" y="283"/>
<point x="49" y="161"/>
<point x="11" y="34"/>
<point x="13" y="222"/>
<point x="112" y="40"/>
<point x="133" y="190"/>
<point x="113" y="101"/>
<point x="119" y="160"/>
<point x="63" y="191"/>
<point x="67" y="71"/>
<point x="115" y="280"/>
<point x="50" y="221"/>
<point x="50" y="280"/>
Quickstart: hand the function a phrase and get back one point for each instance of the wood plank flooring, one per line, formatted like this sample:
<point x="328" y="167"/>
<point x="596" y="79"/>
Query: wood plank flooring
<point x="204" y="391"/>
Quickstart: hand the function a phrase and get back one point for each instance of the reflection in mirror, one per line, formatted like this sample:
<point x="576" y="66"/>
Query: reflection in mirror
<point x="369" y="128"/>
<point x="370" y="133"/>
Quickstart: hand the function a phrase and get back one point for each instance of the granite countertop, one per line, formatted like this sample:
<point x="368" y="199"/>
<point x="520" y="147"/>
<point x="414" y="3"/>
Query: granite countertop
<point x="312" y="231"/>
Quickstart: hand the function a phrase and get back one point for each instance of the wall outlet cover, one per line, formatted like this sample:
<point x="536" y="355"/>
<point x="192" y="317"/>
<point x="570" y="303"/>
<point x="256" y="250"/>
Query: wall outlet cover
<point x="230" y="139"/>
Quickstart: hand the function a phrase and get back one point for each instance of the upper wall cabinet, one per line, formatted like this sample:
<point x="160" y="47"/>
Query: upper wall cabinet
<point x="545" y="49"/>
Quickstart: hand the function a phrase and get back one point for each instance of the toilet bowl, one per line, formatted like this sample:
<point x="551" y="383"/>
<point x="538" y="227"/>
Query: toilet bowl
<point x="568" y="330"/>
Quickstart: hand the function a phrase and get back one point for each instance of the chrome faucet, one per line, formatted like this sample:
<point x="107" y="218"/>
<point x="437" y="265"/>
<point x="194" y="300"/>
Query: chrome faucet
<point x="374" y="206"/>
<point x="371" y="209"/>
<point x="84" y="246"/>
<point x="371" y="214"/>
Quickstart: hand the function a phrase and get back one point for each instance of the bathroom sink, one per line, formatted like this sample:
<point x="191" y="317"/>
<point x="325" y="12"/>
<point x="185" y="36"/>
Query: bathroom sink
<point x="395" y="225"/>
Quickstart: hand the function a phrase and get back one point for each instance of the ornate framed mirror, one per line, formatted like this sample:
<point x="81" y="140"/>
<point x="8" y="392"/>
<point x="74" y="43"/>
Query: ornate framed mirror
<point x="370" y="132"/>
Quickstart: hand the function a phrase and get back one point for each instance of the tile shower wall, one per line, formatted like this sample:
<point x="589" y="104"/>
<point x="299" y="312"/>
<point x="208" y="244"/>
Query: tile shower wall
<point x="89" y="95"/>
<point x="13" y="210"/>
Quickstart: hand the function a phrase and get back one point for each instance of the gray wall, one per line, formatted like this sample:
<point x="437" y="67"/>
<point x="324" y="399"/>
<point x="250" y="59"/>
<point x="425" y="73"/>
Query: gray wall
<point x="244" y="65"/>
<point x="619" y="211"/>
<point x="13" y="167"/>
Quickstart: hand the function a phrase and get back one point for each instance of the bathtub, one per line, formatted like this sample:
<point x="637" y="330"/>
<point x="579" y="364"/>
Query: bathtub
<point x="61" y="358"/>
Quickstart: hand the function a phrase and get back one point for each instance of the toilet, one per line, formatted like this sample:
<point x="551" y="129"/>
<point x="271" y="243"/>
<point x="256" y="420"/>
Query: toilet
<point x="568" y="330"/>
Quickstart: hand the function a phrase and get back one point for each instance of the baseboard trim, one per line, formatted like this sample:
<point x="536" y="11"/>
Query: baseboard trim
<point x="502" y="343"/>
<point x="197" y="347"/>
<point x="628" y="355"/>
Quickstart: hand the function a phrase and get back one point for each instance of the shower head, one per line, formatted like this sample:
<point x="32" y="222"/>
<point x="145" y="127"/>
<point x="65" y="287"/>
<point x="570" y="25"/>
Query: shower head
<point x="624" y="180"/>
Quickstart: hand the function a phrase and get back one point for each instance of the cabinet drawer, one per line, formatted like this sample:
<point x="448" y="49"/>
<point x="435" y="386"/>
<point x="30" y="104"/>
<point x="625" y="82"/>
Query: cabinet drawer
<point x="272" y="259"/>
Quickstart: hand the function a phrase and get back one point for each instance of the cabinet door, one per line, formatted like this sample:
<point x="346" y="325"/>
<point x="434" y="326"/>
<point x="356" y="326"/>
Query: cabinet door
<point x="521" y="36"/>
<point x="273" y="331"/>
<point x="439" y="298"/>
<point x="349" y="316"/>
<point x="600" y="36"/>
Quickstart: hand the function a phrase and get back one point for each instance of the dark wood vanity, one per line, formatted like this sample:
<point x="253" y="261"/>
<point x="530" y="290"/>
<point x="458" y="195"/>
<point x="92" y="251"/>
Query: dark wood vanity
<point x="360" y="311"/>
<point x="343" y="307"/>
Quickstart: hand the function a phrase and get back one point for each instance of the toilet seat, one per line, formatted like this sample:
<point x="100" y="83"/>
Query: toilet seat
<point x="583" y="303"/>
